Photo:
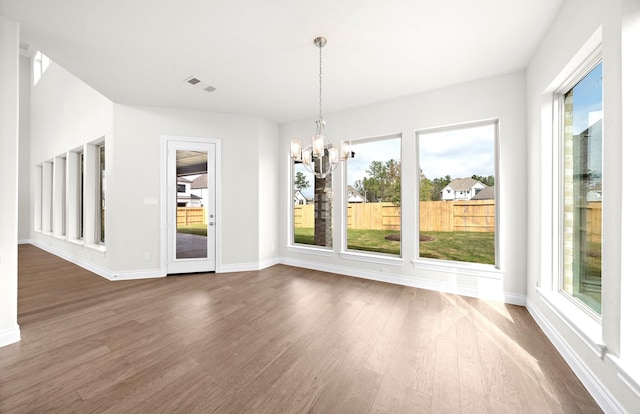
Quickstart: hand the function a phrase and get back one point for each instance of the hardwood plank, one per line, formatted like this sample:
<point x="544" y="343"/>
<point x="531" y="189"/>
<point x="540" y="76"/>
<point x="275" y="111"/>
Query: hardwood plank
<point x="283" y="339"/>
<point x="416" y="402"/>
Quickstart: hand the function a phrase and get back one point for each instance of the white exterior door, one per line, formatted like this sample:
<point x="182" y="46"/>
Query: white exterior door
<point x="191" y="216"/>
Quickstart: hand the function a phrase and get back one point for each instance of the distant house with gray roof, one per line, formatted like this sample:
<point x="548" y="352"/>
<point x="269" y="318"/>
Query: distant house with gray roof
<point x="200" y="188"/>
<point x="487" y="193"/>
<point x="461" y="189"/>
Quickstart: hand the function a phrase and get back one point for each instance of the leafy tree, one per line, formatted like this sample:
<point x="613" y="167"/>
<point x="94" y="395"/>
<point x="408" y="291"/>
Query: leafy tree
<point x="426" y="187"/>
<point x="301" y="181"/>
<point x="489" y="180"/>
<point x="438" y="185"/>
<point x="382" y="182"/>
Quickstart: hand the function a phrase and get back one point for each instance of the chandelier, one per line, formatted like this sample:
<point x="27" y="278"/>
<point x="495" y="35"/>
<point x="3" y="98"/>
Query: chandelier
<point x="321" y="157"/>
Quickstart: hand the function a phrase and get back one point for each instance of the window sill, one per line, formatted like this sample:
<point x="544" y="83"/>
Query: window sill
<point x="320" y="251"/>
<point x="60" y="237"/>
<point x="373" y="258"/>
<point x="78" y="242"/>
<point x="584" y="326"/>
<point x="461" y="268"/>
<point x="98" y="248"/>
<point x="626" y="375"/>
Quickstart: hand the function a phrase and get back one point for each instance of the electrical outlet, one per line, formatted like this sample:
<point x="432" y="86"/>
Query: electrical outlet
<point x="147" y="256"/>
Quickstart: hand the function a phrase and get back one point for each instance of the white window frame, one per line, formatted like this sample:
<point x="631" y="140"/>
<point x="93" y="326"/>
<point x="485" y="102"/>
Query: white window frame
<point x="40" y="65"/>
<point x="362" y="255"/>
<point x="92" y="199"/>
<point x="75" y="194"/>
<point x="60" y="196"/>
<point x="47" y="197"/>
<point x="558" y="177"/>
<point x="581" y="323"/>
<point x="292" y="246"/>
<point x="467" y="268"/>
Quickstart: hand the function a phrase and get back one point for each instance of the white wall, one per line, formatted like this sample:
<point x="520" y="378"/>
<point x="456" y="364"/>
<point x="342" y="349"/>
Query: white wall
<point x="9" y="106"/>
<point x="24" y="187"/>
<point x="269" y="189"/>
<point x="502" y="98"/>
<point x="576" y="23"/>
<point x="137" y="157"/>
<point x="66" y="114"/>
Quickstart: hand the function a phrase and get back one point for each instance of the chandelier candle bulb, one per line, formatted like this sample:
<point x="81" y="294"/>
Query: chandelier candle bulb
<point x="296" y="149"/>
<point x="318" y="145"/>
<point x="306" y="157"/>
<point x="334" y="155"/>
<point x="345" y="152"/>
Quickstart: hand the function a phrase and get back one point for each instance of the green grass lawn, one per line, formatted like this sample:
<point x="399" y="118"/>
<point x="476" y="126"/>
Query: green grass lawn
<point x="459" y="246"/>
<point x="198" y="229"/>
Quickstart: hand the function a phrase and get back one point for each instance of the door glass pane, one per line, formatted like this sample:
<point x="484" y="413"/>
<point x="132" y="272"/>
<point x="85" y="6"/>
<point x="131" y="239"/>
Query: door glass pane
<point x="582" y="195"/>
<point x="192" y="218"/>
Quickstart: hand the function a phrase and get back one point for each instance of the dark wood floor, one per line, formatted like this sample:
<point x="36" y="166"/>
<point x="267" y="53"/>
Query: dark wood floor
<point x="279" y="340"/>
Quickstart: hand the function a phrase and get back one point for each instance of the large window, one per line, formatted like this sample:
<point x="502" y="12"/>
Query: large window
<point x="581" y="194"/>
<point x="47" y="197"/>
<point x="75" y="165"/>
<point x="312" y="200"/>
<point x="457" y="196"/>
<point x="373" y="196"/>
<point x="101" y="191"/>
<point x="60" y="196"/>
<point x="40" y="64"/>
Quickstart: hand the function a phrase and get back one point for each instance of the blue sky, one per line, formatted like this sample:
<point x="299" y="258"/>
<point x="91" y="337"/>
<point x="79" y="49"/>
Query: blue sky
<point x="587" y="110"/>
<point x="587" y="99"/>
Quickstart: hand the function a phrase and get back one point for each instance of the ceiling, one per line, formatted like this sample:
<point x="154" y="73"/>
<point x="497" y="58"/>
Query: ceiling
<point x="260" y="56"/>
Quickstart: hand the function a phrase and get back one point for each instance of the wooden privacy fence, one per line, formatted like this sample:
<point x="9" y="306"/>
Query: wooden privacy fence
<point x="186" y="216"/>
<point x="473" y="215"/>
<point x="461" y="215"/>
<point x="593" y="225"/>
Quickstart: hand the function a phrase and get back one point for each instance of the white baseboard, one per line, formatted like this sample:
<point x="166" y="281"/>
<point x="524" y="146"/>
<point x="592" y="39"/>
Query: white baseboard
<point x="136" y="274"/>
<point x="9" y="335"/>
<point x="75" y="260"/>
<point x="101" y="271"/>
<point x="592" y="383"/>
<point x="24" y="241"/>
<point x="505" y="297"/>
<point x="248" y="267"/>
<point x="268" y="263"/>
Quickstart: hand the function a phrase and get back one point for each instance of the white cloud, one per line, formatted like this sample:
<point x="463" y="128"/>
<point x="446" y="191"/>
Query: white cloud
<point x="459" y="153"/>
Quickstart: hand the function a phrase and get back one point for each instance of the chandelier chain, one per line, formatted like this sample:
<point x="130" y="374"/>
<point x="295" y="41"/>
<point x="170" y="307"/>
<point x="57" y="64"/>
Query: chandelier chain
<point x="320" y="81"/>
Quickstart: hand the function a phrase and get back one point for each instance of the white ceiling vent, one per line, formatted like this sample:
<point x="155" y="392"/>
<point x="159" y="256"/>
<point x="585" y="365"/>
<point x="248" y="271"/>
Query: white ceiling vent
<point x="192" y="80"/>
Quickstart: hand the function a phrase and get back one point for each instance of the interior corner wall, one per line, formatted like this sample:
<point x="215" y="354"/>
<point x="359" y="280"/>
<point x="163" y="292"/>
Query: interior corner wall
<point x="66" y="113"/>
<point x="24" y="175"/>
<point x="135" y="226"/>
<point x="9" y="114"/>
<point x="576" y="23"/>
<point x="501" y="97"/>
<point x="269" y="191"/>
